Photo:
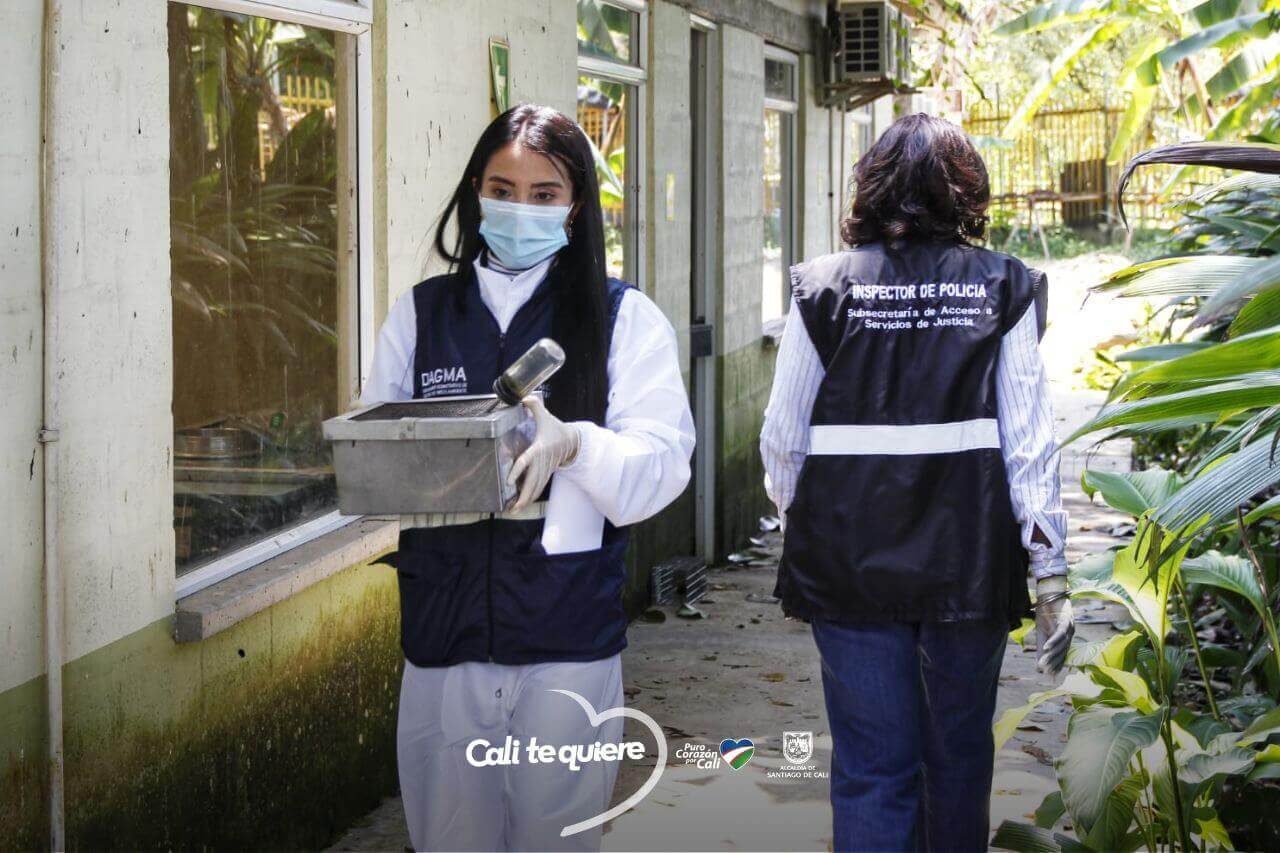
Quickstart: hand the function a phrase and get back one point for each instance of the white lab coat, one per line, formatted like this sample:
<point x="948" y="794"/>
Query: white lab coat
<point x="625" y="471"/>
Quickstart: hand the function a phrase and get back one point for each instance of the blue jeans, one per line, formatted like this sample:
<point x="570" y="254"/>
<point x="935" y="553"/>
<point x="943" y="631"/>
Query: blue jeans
<point x="910" y="708"/>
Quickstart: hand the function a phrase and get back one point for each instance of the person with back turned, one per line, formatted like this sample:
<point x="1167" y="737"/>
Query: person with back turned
<point x="909" y="446"/>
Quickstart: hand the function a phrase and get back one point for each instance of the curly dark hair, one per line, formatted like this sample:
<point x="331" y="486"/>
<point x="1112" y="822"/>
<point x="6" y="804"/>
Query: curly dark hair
<point x="922" y="180"/>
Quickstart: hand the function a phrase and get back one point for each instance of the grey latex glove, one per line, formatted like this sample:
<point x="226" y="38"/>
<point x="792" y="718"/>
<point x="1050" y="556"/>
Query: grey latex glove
<point x="1054" y="624"/>
<point x="555" y="443"/>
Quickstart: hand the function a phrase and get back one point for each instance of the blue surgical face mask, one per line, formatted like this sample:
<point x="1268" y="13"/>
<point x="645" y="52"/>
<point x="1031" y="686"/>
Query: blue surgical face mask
<point x="522" y="235"/>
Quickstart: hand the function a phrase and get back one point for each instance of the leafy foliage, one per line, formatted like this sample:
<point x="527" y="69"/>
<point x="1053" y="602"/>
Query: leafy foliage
<point x="1215" y="62"/>
<point x="1174" y="719"/>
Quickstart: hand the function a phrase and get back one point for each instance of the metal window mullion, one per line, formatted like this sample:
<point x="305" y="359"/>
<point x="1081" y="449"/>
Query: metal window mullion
<point x="366" y="330"/>
<point x="326" y="14"/>
<point x="639" y="6"/>
<point x="637" y="156"/>
<point x="779" y="54"/>
<point x="255" y="553"/>
<point x="615" y="72"/>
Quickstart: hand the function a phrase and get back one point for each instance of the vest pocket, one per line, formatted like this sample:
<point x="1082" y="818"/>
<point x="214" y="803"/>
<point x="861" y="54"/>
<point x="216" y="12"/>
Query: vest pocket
<point x="436" y="605"/>
<point x="560" y="606"/>
<point x="879" y="535"/>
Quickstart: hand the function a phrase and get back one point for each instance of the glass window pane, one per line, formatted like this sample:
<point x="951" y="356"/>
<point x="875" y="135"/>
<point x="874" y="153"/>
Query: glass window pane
<point x="606" y="31"/>
<point x="779" y="80"/>
<point x="602" y="113"/>
<point x="777" y="212"/>
<point x="253" y="181"/>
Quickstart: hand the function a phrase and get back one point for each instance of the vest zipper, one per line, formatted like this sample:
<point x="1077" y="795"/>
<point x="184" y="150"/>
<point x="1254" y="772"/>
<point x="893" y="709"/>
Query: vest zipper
<point x="488" y="589"/>
<point x="488" y="574"/>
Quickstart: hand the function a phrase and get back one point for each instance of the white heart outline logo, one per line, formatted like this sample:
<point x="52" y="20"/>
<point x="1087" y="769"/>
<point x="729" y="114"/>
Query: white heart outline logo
<point x="596" y="718"/>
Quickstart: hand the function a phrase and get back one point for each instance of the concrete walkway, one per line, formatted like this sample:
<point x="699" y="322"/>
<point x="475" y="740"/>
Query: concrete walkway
<point x="746" y="672"/>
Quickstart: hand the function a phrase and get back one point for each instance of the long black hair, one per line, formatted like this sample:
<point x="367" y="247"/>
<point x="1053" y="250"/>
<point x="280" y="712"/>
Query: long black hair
<point x="577" y="280"/>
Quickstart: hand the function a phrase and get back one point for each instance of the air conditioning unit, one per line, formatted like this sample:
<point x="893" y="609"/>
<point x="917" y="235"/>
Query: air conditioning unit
<point x="869" y="49"/>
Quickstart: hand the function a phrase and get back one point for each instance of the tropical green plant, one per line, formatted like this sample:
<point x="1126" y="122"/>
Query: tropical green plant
<point x="1142" y="766"/>
<point x="1215" y="61"/>
<point x="1172" y="719"/>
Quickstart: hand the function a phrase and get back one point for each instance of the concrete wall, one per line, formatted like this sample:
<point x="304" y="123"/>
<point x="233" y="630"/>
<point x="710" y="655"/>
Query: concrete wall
<point x="274" y="734"/>
<point x="165" y="744"/>
<point x="21" y="336"/>
<point x="110" y="149"/>
<point x="819" y="185"/>
<point x="668" y="239"/>
<point x="744" y="365"/>
<point x="437" y="71"/>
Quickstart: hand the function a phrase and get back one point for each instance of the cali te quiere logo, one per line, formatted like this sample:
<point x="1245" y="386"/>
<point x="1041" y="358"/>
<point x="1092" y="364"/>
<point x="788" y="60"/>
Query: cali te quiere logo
<point x="481" y="753"/>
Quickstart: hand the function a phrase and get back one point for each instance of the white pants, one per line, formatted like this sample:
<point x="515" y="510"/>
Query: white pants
<point x="450" y="804"/>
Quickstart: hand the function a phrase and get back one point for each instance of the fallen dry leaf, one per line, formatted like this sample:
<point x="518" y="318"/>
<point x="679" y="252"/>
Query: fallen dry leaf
<point x="1038" y="753"/>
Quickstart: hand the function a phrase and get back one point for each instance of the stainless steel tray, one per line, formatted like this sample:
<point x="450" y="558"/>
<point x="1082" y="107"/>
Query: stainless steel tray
<point x="442" y="454"/>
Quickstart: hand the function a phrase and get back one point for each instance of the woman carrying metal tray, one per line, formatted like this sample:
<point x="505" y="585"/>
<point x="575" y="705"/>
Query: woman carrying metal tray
<point x="499" y="613"/>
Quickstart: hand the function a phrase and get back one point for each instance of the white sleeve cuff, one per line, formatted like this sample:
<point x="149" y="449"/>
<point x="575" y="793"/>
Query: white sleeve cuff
<point x="1048" y="566"/>
<point x="589" y="450"/>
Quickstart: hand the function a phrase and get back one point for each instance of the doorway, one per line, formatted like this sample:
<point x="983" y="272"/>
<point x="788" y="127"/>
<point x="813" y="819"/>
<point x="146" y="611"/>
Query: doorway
<point x="702" y="259"/>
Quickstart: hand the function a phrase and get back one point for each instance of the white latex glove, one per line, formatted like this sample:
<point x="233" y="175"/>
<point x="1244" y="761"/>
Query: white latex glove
<point x="555" y="443"/>
<point x="1054" y="623"/>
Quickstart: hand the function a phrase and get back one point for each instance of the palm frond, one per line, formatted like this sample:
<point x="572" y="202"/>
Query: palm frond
<point x="1216" y="492"/>
<point x="1250" y="156"/>
<point x="1189" y="275"/>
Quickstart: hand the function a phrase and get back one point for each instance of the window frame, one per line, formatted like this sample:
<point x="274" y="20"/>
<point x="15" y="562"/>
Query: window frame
<point x="790" y="110"/>
<point x="635" y="76"/>
<point x="352" y="21"/>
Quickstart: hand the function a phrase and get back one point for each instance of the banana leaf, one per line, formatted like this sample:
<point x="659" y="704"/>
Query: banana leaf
<point x="1142" y="97"/>
<point x="1096" y="37"/>
<point x="1140" y="79"/>
<point x="1222" y="35"/>
<point x="1243" y="69"/>
<point x="1261" y="95"/>
<point x="1055" y="14"/>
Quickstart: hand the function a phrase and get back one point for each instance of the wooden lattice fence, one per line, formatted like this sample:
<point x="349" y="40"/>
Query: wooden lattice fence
<point x="1056" y="170"/>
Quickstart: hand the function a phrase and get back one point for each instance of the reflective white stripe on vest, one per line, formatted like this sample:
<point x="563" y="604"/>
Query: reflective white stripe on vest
<point x="903" y="440"/>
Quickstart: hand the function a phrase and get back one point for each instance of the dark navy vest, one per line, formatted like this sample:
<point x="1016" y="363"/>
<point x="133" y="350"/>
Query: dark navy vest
<point x="488" y="591"/>
<point x="902" y="507"/>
